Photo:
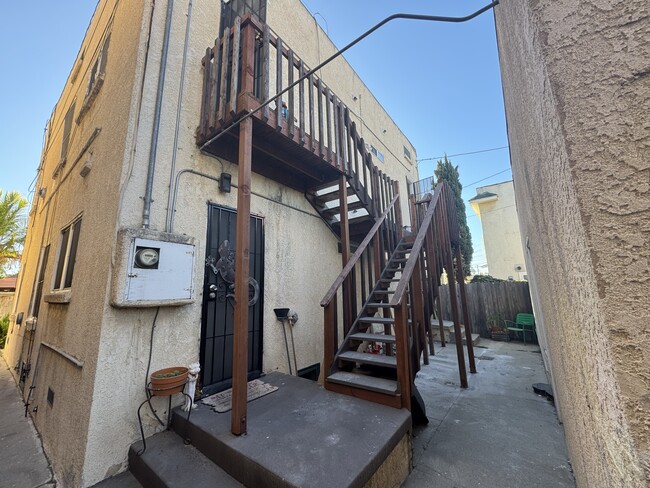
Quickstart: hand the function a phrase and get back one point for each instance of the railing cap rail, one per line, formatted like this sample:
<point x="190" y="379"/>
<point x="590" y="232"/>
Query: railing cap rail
<point x="417" y="247"/>
<point x="357" y="255"/>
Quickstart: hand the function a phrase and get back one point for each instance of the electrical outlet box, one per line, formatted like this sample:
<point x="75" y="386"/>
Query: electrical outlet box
<point x="155" y="269"/>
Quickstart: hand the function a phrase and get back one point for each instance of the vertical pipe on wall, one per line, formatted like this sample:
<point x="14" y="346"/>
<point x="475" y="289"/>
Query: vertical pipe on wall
<point x="146" y="211"/>
<point x="169" y="221"/>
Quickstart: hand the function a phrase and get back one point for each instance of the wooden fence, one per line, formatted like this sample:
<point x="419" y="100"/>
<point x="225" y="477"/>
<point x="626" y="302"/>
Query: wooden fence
<point x="484" y="300"/>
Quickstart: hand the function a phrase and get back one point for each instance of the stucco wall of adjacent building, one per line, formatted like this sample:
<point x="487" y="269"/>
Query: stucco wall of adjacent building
<point x="501" y="236"/>
<point x="6" y="302"/>
<point x="577" y="95"/>
<point x="301" y="258"/>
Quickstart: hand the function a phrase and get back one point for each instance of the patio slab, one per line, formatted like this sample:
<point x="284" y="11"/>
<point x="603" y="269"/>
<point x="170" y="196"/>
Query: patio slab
<point x="497" y="432"/>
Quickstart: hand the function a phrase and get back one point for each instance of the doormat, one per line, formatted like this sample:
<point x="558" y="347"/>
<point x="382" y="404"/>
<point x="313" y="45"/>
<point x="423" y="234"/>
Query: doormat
<point x="222" y="402"/>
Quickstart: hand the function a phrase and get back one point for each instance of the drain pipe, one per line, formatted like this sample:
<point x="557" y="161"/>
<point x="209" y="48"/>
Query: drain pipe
<point x="146" y="211"/>
<point x="169" y="221"/>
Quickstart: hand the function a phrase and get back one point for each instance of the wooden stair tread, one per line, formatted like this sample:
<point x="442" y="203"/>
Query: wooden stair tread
<point x="377" y="305"/>
<point x="376" y="320"/>
<point x="365" y="382"/>
<point x="365" y="336"/>
<point x="365" y="358"/>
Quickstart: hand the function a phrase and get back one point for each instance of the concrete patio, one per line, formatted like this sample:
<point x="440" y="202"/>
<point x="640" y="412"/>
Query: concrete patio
<point x="497" y="432"/>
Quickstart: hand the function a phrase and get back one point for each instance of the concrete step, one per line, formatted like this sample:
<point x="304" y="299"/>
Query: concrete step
<point x="371" y="383"/>
<point x="365" y="358"/>
<point x="122" y="480"/>
<point x="168" y="462"/>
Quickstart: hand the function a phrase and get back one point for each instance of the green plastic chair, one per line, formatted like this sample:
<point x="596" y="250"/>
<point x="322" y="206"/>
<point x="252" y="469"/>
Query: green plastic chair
<point x="525" y="322"/>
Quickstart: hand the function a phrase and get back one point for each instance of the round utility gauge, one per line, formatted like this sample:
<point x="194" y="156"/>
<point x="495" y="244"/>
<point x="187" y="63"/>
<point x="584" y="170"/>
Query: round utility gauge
<point x="147" y="257"/>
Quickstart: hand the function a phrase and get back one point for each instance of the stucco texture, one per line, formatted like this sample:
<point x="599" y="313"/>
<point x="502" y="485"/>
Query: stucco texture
<point x="576" y="83"/>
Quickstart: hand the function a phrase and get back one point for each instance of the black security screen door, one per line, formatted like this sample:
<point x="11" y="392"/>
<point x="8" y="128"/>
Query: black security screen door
<point x="218" y="302"/>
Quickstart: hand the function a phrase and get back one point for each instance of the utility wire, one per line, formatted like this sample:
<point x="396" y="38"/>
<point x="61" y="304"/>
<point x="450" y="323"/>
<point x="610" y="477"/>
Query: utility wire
<point x="486" y="178"/>
<point x="463" y="154"/>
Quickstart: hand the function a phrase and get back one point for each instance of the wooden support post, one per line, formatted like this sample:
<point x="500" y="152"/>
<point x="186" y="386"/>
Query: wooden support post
<point x="403" y="360"/>
<point x="348" y="286"/>
<point x="463" y="301"/>
<point x="329" y="337"/>
<point x="398" y="212"/>
<point x="242" y="258"/>
<point x="278" y="84"/>
<point x="234" y="75"/>
<point x="266" y="71"/>
<point x="418" y="317"/>
<point x="446" y="244"/>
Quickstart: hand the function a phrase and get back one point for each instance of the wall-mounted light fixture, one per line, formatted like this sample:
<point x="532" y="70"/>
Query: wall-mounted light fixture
<point x="224" y="182"/>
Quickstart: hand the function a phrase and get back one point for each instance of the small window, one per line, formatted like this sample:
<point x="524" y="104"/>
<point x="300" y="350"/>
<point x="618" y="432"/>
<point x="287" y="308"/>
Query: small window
<point x="377" y="153"/>
<point x="67" y="128"/>
<point x="98" y="69"/>
<point x="67" y="256"/>
<point x="38" y="289"/>
<point x="407" y="153"/>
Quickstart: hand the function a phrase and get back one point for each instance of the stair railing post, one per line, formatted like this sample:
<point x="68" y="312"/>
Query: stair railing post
<point x="418" y="318"/>
<point x="398" y="212"/>
<point x="348" y="285"/>
<point x="452" y="290"/>
<point x="330" y="345"/>
<point x="414" y="218"/>
<point x="245" y="98"/>
<point x="463" y="301"/>
<point x="403" y="358"/>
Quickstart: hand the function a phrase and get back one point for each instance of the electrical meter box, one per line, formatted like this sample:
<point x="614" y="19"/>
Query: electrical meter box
<point x="156" y="269"/>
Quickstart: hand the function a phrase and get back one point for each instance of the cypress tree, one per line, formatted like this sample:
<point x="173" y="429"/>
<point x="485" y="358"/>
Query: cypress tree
<point x="449" y="173"/>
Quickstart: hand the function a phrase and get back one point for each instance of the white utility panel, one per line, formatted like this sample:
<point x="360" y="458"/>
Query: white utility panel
<point x="167" y="278"/>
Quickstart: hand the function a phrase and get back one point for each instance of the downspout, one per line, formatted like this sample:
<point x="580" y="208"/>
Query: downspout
<point x="172" y="198"/>
<point x="146" y="211"/>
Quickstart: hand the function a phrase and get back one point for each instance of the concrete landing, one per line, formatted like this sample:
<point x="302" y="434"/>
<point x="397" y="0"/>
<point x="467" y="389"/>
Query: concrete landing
<point x="300" y="436"/>
<point x="497" y="432"/>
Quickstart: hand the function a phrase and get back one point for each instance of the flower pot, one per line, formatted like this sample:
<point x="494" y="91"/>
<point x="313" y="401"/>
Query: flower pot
<point x="168" y="381"/>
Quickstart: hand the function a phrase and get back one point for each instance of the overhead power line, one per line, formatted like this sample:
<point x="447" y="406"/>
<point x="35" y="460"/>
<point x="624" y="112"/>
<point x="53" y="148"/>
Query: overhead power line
<point x="486" y="178"/>
<point x="463" y="154"/>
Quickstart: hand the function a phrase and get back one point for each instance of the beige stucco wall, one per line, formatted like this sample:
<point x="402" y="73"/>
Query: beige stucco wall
<point x="501" y="236"/>
<point x="577" y="96"/>
<point x="74" y="327"/>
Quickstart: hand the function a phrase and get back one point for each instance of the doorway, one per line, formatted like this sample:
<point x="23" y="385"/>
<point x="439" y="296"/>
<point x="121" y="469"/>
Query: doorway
<point x="218" y="302"/>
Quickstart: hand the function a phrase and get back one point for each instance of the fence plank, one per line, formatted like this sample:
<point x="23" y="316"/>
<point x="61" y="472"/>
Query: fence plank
<point x="484" y="300"/>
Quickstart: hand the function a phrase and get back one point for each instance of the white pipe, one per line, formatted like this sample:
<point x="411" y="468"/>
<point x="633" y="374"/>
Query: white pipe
<point x="146" y="211"/>
<point x="170" y="208"/>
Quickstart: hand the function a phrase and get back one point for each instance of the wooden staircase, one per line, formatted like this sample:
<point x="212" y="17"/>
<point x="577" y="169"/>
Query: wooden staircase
<point x="366" y="359"/>
<point x="304" y="137"/>
<point x="395" y="279"/>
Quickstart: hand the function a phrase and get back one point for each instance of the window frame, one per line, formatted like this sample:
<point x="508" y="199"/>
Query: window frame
<point x="63" y="273"/>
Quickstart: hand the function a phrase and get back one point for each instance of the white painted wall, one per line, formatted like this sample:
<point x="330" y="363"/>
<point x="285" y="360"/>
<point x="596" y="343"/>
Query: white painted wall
<point x="501" y="236"/>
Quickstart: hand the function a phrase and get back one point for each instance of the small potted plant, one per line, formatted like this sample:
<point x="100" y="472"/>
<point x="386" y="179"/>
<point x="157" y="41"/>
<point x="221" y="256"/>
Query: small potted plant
<point x="168" y="381"/>
<point x="496" y="327"/>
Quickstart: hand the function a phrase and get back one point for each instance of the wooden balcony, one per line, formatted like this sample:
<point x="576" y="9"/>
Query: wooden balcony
<point x="304" y="138"/>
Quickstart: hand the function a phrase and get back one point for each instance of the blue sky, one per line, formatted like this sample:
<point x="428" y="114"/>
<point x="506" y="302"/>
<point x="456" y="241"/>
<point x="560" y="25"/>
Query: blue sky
<point x="439" y="82"/>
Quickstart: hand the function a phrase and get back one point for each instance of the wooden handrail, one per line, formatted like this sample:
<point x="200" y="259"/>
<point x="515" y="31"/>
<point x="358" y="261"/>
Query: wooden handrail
<point x="357" y="255"/>
<point x="417" y="247"/>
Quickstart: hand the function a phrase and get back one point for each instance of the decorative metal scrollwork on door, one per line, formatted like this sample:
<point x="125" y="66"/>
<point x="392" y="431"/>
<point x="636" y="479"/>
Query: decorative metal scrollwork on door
<point x="225" y="267"/>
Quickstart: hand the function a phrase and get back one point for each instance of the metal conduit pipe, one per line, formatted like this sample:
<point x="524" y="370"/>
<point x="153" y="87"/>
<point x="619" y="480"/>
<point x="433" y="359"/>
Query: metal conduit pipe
<point x="168" y="221"/>
<point x="146" y="211"/>
<point x="174" y="193"/>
